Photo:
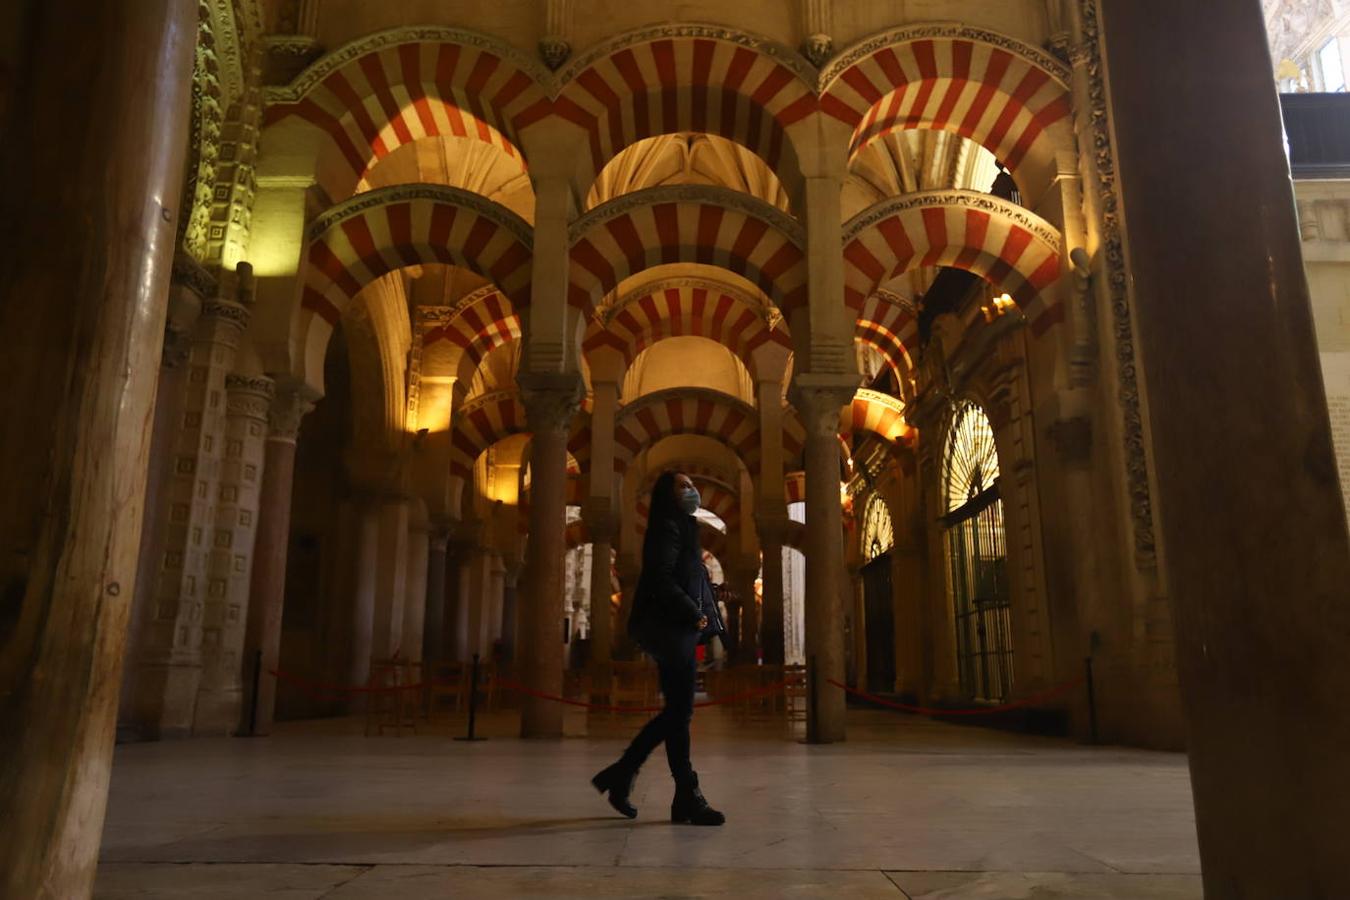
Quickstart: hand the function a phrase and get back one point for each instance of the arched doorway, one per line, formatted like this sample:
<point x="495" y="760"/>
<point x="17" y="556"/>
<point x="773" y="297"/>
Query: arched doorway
<point x="977" y="555"/>
<point x="878" y="540"/>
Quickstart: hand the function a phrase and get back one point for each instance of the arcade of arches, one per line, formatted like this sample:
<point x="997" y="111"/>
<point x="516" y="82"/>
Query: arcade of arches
<point x="426" y="296"/>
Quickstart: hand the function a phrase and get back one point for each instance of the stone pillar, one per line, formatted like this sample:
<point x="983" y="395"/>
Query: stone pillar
<point x="365" y="578"/>
<point x="820" y="400"/>
<point x="741" y="574"/>
<point x="630" y="569"/>
<point x="433" y="626"/>
<point x="510" y="630"/>
<point x="415" y="602"/>
<point x="391" y="582"/>
<point x="168" y="667"/>
<point x="267" y="585"/>
<point x="88" y="229"/>
<point x="550" y="403"/>
<point x="231" y="559"/>
<point x="1254" y="551"/>
<point x="477" y="608"/>
<point x="601" y="526"/>
<point x="772" y="527"/>
<point x="191" y="285"/>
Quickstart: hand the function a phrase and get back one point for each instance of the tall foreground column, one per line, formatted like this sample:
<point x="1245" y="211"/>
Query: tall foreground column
<point x="88" y="234"/>
<point x="819" y="399"/>
<point x="267" y="587"/>
<point x="1257" y="560"/>
<point x="550" y="403"/>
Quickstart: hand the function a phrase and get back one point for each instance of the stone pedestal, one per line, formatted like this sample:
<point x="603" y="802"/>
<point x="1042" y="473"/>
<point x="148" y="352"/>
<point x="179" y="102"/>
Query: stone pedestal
<point x="267" y="585"/>
<point x="550" y="403"/>
<point x="820" y="399"/>
<point x="1254" y="552"/>
<point x="87" y="223"/>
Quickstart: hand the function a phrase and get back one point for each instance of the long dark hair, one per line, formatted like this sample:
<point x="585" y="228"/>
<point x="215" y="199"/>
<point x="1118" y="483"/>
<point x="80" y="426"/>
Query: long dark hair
<point x="665" y="508"/>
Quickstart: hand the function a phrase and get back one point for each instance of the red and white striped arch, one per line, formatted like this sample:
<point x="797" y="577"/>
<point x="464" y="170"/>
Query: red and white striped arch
<point x="1010" y="97"/>
<point x="1003" y="243"/>
<point x="687" y="224"/>
<point x="889" y="328"/>
<point x="481" y="423"/>
<point x="686" y="78"/>
<point x="377" y="232"/>
<point x="687" y="411"/>
<point x="881" y="415"/>
<point x="388" y="89"/>
<point x="685" y="307"/>
<point x="484" y="322"/>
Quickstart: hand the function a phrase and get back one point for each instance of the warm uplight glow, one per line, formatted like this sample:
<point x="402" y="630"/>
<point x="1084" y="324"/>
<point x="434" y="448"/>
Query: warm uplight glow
<point x="997" y="307"/>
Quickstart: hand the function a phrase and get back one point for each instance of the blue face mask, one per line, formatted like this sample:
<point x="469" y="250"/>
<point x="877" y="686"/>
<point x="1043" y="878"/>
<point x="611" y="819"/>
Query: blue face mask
<point x="690" y="501"/>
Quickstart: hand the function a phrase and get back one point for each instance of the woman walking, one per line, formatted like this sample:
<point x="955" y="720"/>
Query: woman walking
<point x="673" y="610"/>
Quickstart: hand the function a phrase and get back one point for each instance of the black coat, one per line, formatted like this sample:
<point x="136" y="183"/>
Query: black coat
<point x="673" y="591"/>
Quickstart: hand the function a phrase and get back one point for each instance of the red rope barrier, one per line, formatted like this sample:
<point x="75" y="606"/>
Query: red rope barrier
<point x="319" y="687"/>
<point x="760" y="692"/>
<point x="1051" y="694"/>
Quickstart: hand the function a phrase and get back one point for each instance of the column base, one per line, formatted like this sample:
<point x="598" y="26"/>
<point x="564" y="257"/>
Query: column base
<point x="218" y="713"/>
<point x="164" y="701"/>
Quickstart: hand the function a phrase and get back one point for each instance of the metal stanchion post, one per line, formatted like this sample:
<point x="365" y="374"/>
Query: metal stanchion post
<point x="1091" y="699"/>
<point x="473" y="702"/>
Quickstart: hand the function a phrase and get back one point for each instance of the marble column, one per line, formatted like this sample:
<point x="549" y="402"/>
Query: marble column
<point x="418" y="577"/>
<point x="87" y="224"/>
<point x="391" y="579"/>
<point x="510" y="592"/>
<point x="820" y="399"/>
<point x="230" y="563"/>
<point x="550" y="403"/>
<point x="267" y="585"/>
<point x="771" y="528"/>
<point x="365" y="578"/>
<point x="168" y="665"/>
<point x="190" y="287"/>
<point x="1254" y="553"/>
<point x="433" y="626"/>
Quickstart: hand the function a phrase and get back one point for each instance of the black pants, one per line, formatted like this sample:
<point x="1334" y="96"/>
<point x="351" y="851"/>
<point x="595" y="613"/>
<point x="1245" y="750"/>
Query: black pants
<point x="676" y="665"/>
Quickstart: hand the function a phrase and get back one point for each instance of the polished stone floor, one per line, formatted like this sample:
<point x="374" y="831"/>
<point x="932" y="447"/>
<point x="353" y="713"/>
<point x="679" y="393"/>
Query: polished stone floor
<point x="907" y="808"/>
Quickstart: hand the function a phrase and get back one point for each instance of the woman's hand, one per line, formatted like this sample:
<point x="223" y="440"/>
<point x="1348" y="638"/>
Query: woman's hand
<point x="702" y="623"/>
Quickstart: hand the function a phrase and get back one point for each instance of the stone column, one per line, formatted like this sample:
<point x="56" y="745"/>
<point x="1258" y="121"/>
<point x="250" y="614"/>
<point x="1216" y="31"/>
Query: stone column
<point x="267" y="585"/>
<point x="600" y="523"/>
<point x="365" y="577"/>
<point x="391" y="581"/>
<point x="741" y="574"/>
<point x="88" y="230"/>
<point x="630" y="569"/>
<point x="772" y="527"/>
<point x="415" y="604"/>
<point x="820" y="399"/>
<point x="231" y="559"/>
<point x="510" y="630"/>
<point x="1254" y="552"/>
<point x="191" y="285"/>
<point x="550" y="404"/>
<point x="433" y="626"/>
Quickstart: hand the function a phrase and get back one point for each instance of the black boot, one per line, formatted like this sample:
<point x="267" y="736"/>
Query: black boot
<point x="690" y="808"/>
<point x="617" y="782"/>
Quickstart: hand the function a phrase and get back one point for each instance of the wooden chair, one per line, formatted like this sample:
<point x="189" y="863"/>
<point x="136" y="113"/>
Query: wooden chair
<point x="392" y="709"/>
<point x="795" y="694"/>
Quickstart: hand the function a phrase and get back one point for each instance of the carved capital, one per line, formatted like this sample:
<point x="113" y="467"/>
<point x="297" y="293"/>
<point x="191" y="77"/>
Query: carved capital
<point x="771" y="528"/>
<point x="550" y="400"/>
<point x="554" y="50"/>
<point x="289" y="405"/>
<point x="249" y="396"/>
<point x="192" y="275"/>
<point x="818" y="48"/>
<point x="819" y="399"/>
<point x="234" y="316"/>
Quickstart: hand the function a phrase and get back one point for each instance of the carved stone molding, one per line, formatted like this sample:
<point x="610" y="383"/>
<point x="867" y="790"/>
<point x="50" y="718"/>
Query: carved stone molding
<point x="955" y="198"/>
<point x="470" y="200"/>
<point x="869" y="45"/>
<point x="554" y="50"/>
<point x="285" y="56"/>
<point x="227" y="312"/>
<point x="1118" y="289"/>
<point x="819" y="399"/>
<point x="818" y="48"/>
<point x="189" y="273"/>
<point x="727" y="198"/>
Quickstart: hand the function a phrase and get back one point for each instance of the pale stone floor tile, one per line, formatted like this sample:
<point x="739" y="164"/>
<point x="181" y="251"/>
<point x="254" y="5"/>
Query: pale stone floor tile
<point x="219" y="881"/>
<point x="1045" y="886"/>
<point x="902" y="794"/>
